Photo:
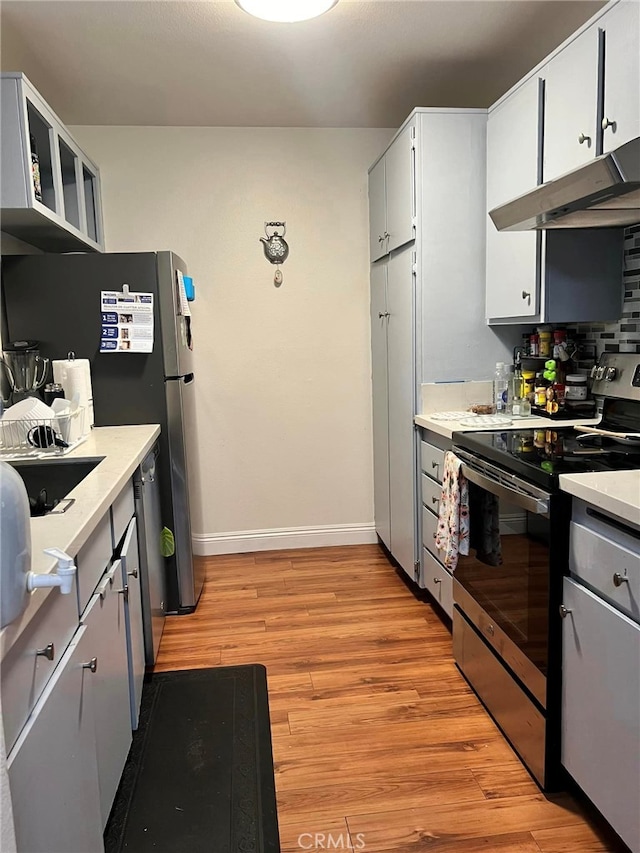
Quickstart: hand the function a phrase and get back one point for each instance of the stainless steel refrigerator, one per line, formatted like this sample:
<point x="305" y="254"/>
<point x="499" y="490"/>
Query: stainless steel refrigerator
<point x="55" y="299"/>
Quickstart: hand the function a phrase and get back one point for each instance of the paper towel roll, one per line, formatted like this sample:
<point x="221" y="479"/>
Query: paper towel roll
<point x="75" y="377"/>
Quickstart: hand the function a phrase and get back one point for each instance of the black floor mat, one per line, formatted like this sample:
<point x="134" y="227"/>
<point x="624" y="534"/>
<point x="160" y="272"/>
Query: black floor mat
<point x="199" y="776"/>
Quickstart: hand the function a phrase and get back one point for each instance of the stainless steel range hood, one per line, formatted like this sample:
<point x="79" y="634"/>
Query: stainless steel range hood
<point x="604" y="193"/>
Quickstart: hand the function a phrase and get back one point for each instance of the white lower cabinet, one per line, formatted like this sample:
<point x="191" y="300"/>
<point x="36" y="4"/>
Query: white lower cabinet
<point x="133" y="619"/>
<point x="52" y="767"/>
<point x="69" y="741"/>
<point x="104" y="619"/>
<point x="601" y="707"/>
<point x="434" y="577"/>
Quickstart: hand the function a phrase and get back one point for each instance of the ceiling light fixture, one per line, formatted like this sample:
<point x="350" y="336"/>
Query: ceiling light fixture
<point x="286" y="11"/>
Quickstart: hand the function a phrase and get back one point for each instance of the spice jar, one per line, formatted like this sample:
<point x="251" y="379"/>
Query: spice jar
<point x="541" y="391"/>
<point x="575" y="387"/>
<point x="544" y="341"/>
<point x="534" y="345"/>
<point x="528" y="384"/>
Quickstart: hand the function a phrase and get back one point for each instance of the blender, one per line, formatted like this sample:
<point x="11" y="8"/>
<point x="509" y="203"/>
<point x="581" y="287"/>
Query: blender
<point x="24" y="370"/>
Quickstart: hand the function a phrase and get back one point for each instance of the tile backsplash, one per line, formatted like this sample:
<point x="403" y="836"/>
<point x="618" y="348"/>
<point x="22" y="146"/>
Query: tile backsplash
<point x="623" y="335"/>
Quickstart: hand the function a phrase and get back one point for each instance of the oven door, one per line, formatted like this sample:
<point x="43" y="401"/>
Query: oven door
<point x="502" y="586"/>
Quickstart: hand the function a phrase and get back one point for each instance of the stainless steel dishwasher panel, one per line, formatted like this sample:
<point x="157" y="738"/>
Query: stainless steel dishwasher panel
<point x="152" y="563"/>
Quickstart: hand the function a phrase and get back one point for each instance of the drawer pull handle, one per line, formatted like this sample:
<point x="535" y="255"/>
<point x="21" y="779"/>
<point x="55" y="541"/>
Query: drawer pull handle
<point x="92" y="665"/>
<point x="490" y="630"/>
<point x="434" y="535"/>
<point x="437" y="580"/>
<point x="434" y="464"/>
<point x="564" y="611"/>
<point x="607" y="123"/>
<point x="435" y="500"/>
<point x="133" y="574"/>
<point x="49" y="652"/>
<point x="124" y="592"/>
<point x="619" y="579"/>
<point x="584" y="138"/>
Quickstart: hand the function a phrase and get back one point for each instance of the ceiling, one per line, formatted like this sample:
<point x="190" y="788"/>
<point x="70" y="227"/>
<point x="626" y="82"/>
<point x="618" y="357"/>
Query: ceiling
<point x="366" y="63"/>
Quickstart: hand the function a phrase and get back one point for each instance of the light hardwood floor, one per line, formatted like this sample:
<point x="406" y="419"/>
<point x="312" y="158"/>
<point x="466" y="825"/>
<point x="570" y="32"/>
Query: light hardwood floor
<point x="378" y="742"/>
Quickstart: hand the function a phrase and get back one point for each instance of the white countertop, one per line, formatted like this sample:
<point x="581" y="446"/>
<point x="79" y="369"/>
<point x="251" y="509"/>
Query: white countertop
<point x="447" y="428"/>
<point x="615" y="492"/>
<point x="123" y="449"/>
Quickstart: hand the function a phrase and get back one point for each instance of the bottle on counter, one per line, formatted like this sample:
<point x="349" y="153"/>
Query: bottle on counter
<point x="500" y="388"/>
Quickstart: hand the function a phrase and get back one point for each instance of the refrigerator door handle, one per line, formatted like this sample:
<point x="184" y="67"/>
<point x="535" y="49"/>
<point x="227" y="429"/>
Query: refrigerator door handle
<point x="188" y="378"/>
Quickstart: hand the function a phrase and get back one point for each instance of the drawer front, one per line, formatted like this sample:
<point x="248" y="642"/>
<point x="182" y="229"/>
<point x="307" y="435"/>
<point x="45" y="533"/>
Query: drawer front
<point x="438" y="581"/>
<point x="431" y="493"/>
<point x="92" y="560"/>
<point x="608" y="567"/>
<point x="24" y="672"/>
<point x="429" y="527"/>
<point x="432" y="460"/>
<point x="122" y="511"/>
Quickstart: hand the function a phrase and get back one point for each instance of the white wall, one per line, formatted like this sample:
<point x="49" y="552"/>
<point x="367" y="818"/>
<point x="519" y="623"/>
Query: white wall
<point x="283" y="374"/>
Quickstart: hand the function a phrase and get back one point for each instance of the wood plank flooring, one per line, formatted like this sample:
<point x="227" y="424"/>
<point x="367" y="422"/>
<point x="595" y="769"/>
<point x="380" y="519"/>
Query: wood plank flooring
<point x="379" y="744"/>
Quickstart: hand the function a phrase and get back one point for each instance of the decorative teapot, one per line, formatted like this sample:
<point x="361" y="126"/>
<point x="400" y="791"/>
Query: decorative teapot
<point x="275" y="247"/>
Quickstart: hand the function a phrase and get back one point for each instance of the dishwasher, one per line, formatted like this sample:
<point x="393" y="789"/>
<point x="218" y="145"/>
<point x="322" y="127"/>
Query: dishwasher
<point x="152" y="563"/>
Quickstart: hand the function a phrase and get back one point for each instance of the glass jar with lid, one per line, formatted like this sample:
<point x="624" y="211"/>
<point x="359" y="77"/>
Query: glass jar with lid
<point x="575" y="386"/>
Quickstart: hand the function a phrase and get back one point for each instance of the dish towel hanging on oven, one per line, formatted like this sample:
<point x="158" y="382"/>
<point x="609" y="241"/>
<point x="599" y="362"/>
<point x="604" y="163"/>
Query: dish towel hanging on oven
<point x="452" y="535"/>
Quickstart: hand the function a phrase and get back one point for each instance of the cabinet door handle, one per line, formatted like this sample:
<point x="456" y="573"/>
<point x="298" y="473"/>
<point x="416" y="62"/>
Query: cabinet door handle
<point x="607" y="123"/>
<point x="564" y="611"/>
<point x="619" y="579"/>
<point x="380" y="239"/>
<point x="133" y="574"/>
<point x="91" y="665"/>
<point x="49" y="652"/>
<point x="382" y="314"/>
<point x="437" y="580"/>
<point x="434" y="464"/>
<point x="526" y="295"/>
<point x="124" y="592"/>
<point x="435" y="500"/>
<point x="584" y="138"/>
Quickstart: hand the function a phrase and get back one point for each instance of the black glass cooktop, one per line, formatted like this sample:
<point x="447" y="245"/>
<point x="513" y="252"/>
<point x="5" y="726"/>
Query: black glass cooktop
<point x="541" y="455"/>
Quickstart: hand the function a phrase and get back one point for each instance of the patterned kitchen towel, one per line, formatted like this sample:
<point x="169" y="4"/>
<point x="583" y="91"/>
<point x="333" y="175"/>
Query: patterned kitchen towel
<point x="452" y="536"/>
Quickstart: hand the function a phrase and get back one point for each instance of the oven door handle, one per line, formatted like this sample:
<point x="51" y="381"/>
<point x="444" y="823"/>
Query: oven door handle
<point x="510" y="493"/>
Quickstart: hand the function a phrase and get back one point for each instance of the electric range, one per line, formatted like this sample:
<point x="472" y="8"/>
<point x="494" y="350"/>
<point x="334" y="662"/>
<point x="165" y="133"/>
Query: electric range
<point x="508" y="588"/>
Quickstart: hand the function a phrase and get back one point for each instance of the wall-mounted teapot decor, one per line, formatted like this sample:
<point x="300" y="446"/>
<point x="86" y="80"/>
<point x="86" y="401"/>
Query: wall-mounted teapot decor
<point x="276" y="249"/>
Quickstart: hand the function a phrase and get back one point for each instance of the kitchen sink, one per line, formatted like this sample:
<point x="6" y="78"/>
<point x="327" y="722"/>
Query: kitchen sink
<point x="49" y="483"/>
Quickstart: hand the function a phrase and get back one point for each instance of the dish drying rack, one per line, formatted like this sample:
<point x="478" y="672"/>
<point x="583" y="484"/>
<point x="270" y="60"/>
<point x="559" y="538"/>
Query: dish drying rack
<point x="14" y="432"/>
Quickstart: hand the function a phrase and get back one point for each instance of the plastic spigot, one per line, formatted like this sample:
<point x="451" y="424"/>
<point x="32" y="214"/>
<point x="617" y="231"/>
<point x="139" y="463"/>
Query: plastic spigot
<point x="62" y="577"/>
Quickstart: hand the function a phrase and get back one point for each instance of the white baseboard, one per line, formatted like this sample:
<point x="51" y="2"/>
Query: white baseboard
<point x="245" y="541"/>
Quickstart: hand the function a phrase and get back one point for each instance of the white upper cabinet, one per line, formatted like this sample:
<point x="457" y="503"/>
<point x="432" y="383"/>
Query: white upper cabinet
<point x="377" y="212"/>
<point x="621" y="118"/>
<point x="392" y="196"/>
<point x="50" y="191"/>
<point x="592" y="93"/>
<point x="513" y="258"/>
<point x="400" y="189"/>
<point x="571" y="121"/>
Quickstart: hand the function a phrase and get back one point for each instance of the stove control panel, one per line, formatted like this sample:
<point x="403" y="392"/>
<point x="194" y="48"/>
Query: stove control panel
<point x="617" y="375"/>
